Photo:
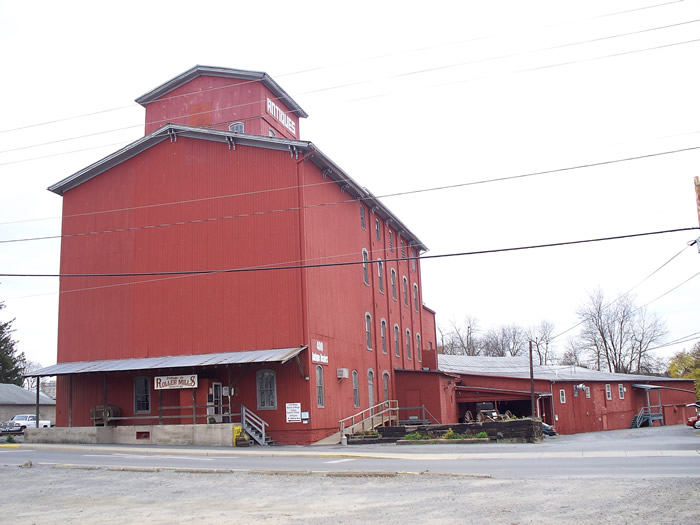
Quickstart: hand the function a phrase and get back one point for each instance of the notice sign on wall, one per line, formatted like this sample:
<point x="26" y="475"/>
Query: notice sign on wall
<point x="293" y="412"/>
<point x="173" y="382"/>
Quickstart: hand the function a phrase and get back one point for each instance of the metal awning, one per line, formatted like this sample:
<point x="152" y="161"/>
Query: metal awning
<point x="278" y="355"/>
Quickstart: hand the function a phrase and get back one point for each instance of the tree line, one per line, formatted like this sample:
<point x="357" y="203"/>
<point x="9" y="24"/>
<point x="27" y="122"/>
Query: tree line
<point x="614" y="336"/>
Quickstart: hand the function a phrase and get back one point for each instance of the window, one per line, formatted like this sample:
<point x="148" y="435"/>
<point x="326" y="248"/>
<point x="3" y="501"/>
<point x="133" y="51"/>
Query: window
<point x="397" y="349"/>
<point x="393" y="284"/>
<point x="380" y="274"/>
<point x="378" y="228"/>
<point x="621" y="390"/>
<point x="575" y="390"/>
<point x="418" y="349"/>
<point x="267" y="389"/>
<point x="415" y="297"/>
<point x="562" y="397"/>
<point x="405" y="290"/>
<point x="362" y="217"/>
<point x="408" y="343"/>
<point x="413" y="260"/>
<point x="383" y="325"/>
<point x="368" y="330"/>
<point x="365" y="267"/>
<point x="271" y="133"/>
<point x="588" y="392"/>
<point x="355" y="389"/>
<point x="403" y="250"/>
<point x="236" y="127"/>
<point x="320" y="395"/>
<point x="142" y="395"/>
<point x="391" y="240"/>
<point x="370" y="387"/>
<point x="385" y="380"/>
<point x="608" y="393"/>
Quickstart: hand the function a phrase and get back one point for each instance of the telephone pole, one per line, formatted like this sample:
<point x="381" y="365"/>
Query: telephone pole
<point x="532" y="386"/>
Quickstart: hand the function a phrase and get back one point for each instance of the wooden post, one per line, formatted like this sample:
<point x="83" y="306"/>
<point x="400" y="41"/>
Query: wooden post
<point x="532" y="386"/>
<point x="104" y="402"/>
<point x="160" y="407"/>
<point x="70" y="400"/>
<point x="194" y="406"/>
<point x="38" y="383"/>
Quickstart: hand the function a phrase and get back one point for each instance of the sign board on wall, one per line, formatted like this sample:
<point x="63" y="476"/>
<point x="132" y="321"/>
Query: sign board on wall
<point x="174" y="382"/>
<point x="293" y="412"/>
<point x="319" y="356"/>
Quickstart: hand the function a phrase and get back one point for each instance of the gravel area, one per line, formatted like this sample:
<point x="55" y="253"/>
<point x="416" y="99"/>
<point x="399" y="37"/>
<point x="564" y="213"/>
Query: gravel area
<point x="43" y="494"/>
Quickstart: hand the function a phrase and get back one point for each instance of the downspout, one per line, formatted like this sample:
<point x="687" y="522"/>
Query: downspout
<point x="551" y="391"/>
<point x="304" y="298"/>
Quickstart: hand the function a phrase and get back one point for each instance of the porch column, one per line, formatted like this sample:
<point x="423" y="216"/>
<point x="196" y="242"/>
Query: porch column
<point x="38" y="383"/>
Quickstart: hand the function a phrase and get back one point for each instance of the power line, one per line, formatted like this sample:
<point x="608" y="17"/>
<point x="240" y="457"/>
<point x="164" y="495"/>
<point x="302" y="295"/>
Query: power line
<point x="354" y="263"/>
<point x="398" y="75"/>
<point x="298" y="208"/>
<point x="118" y="108"/>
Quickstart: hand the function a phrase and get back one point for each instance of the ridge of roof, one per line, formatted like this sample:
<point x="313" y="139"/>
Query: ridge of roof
<point x="311" y="152"/>
<point x="212" y="71"/>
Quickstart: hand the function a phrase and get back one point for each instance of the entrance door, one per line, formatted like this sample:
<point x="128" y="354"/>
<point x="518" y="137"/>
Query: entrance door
<point x="217" y="400"/>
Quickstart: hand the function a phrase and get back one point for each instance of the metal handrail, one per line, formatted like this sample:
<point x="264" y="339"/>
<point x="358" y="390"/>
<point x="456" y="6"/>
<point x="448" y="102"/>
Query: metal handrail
<point x="375" y="415"/>
<point x="250" y="418"/>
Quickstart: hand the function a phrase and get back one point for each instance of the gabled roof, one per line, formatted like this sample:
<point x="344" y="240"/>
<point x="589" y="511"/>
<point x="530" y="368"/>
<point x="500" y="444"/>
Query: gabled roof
<point x="296" y="148"/>
<point x="519" y="367"/>
<point x="16" y="395"/>
<point x="211" y="71"/>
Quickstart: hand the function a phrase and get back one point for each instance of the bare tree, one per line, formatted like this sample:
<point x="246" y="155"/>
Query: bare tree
<point x="573" y="355"/>
<point x="618" y="335"/>
<point x="505" y="341"/>
<point x="541" y="337"/>
<point x="460" y="339"/>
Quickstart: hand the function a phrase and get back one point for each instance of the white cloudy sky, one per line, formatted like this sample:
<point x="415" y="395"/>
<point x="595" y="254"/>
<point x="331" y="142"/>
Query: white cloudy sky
<point x="404" y="96"/>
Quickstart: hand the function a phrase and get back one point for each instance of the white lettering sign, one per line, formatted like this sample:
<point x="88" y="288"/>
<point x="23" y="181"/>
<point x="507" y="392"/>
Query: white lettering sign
<point x="319" y="358"/>
<point x="280" y="115"/>
<point x="172" y="382"/>
<point x="293" y="412"/>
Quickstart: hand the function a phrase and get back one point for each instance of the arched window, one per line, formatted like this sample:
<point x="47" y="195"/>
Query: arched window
<point x="355" y="389"/>
<point x="393" y="284"/>
<point x="380" y="274"/>
<point x="403" y="250"/>
<point x="378" y="228"/>
<point x="405" y="291"/>
<point x="267" y="389"/>
<point x="385" y="380"/>
<point x="236" y="127"/>
<point x="397" y="343"/>
<point x="413" y="260"/>
<point x="383" y="329"/>
<point x="320" y="394"/>
<point x="368" y="330"/>
<point x="370" y="386"/>
<point x="408" y="343"/>
<point x="365" y="267"/>
<point x="391" y="241"/>
<point x="362" y="217"/>
<point x="415" y="297"/>
<point x="419" y="354"/>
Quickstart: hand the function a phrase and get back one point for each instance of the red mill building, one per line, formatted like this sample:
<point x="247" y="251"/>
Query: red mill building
<point x="233" y="274"/>
<point x="217" y="284"/>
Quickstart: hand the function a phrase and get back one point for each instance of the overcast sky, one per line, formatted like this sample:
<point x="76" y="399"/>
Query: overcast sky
<point x="403" y="96"/>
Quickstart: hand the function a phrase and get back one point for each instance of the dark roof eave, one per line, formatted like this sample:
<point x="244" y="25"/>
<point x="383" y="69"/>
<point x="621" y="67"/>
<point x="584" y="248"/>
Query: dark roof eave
<point x="243" y="74"/>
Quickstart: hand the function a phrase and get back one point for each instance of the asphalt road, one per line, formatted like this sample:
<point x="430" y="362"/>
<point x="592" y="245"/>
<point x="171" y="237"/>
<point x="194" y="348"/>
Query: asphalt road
<point x="629" y="476"/>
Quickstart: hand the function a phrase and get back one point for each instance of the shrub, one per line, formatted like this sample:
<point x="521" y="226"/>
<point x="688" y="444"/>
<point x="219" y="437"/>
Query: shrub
<point x="482" y="435"/>
<point x="9" y="438"/>
<point x="451" y="434"/>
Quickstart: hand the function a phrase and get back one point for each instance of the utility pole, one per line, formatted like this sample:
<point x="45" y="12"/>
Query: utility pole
<point x="697" y="199"/>
<point x="532" y="386"/>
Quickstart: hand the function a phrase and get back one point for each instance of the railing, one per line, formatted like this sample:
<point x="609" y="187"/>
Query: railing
<point x="370" y="418"/>
<point x="423" y="410"/>
<point x="649" y="414"/>
<point x="253" y="424"/>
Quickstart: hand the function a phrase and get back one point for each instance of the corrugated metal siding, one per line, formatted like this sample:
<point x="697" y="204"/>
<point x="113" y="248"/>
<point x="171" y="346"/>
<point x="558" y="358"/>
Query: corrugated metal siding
<point x="110" y="319"/>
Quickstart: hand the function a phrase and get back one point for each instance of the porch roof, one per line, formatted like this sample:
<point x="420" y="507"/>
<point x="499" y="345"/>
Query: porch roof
<point x="278" y="355"/>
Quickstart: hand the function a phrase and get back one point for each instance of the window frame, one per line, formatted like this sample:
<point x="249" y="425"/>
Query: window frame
<point x="378" y="229"/>
<point x="355" y="389"/>
<point x="405" y="290"/>
<point x="621" y="390"/>
<point x="320" y="388"/>
<point x="608" y="392"/>
<point x="238" y="122"/>
<point x="408" y="345"/>
<point x="260" y="376"/>
<point x="365" y="266"/>
<point x="383" y="335"/>
<point x="394" y="292"/>
<point x="415" y="297"/>
<point x="363" y="217"/>
<point x="419" y="353"/>
<point x="397" y="340"/>
<point x="368" y="330"/>
<point x="391" y="241"/>
<point x="138" y="395"/>
<point x="403" y="249"/>
<point x="386" y="378"/>
<point x="562" y="396"/>
<point x="413" y="259"/>
<point x="380" y="275"/>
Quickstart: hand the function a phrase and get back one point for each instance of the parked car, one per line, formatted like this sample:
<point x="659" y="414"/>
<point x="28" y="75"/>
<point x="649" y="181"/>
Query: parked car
<point x="21" y="421"/>
<point x="548" y="430"/>
<point x="694" y="422"/>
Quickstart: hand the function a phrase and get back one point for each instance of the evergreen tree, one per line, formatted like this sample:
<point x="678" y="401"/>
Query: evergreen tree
<point x="11" y="362"/>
